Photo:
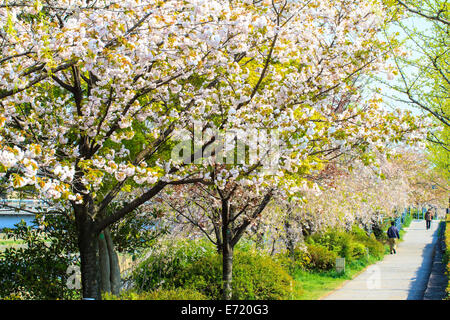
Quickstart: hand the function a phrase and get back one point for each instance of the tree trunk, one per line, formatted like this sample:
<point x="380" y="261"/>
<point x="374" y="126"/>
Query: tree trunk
<point x="116" y="282"/>
<point x="259" y="237"/>
<point x="100" y="271"/>
<point x="109" y="264"/>
<point x="227" y="275"/>
<point x="90" y="276"/>
<point x="227" y="251"/>
<point x="289" y="241"/>
<point x="105" y="270"/>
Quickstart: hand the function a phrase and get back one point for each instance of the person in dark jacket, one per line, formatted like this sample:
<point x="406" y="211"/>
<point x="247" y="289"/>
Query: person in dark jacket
<point x="428" y="218"/>
<point x="393" y="235"/>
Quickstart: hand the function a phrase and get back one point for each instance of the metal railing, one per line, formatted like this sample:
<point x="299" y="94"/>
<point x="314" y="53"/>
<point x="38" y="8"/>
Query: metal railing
<point x="416" y="213"/>
<point x="400" y="220"/>
<point x="419" y="213"/>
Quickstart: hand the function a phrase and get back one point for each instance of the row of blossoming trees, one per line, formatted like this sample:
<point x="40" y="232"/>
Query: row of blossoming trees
<point x="96" y="96"/>
<point x="363" y="194"/>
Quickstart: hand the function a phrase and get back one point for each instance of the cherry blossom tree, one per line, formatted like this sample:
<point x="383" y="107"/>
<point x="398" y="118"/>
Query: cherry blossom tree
<point x="91" y="94"/>
<point x="230" y="200"/>
<point x="224" y="210"/>
<point x="427" y="186"/>
<point x="364" y="196"/>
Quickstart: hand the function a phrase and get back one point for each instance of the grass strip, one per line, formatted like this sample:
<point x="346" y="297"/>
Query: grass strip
<point x="316" y="285"/>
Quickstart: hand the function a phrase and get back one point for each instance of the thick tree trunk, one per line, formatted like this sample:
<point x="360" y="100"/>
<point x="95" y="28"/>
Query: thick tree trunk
<point x="115" y="280"/>
<point x="289" y="236"/>
<point x="100" y="270"/>
<point x="227" y="274"/>
<point x="109" y="264"/>
<point x="289" y="241"/>
<point x="90" y="276"/>
<point x="105" y="270"/>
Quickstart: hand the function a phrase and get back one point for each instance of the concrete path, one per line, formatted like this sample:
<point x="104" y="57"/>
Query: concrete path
<point x="437" y="283"/>
<point x="401" y="276"/>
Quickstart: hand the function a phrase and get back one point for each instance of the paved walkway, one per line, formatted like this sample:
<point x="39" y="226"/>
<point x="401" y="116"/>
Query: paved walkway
<point x="437" y="284"/>
<point x="401" y="276"/>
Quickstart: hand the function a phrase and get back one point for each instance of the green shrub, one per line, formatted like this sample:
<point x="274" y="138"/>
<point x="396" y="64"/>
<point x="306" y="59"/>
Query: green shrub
<point x="336" y="241"/>
<point x="299" y="259"/>
<point x="329" y="240"/>
<point x="408" y="220"/>
<point x="204" y="275"/>
<point x="375" y="247"/>
<point x="347" y="246"/>
<point x="321" y="259"/>
<point x="38" y="270"/>
<point x="352" y="245"/>
<point x="160" y="294"/>
<point x="167" y="261"/>
<point x="255" y="277"/>
<point x="358" y="250"/>
<point x="359" y="233"/>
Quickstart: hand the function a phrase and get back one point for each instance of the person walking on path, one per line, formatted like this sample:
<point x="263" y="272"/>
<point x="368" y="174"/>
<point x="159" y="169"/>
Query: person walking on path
<point x="393" y="235"/>
<point x="428" y="218"/>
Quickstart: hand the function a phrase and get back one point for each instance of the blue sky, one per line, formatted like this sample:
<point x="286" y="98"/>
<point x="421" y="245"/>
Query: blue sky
<point x="387" y="92"/>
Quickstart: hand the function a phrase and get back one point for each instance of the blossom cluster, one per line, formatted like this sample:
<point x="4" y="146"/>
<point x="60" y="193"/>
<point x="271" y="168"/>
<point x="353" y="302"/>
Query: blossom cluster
<point x="90" y="91"/>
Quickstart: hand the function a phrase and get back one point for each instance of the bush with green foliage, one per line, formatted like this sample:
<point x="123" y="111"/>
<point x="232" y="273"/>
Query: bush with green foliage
<point x="196" y="266"/>
<point x="160" y="294"/>
<point x="255" y="277"/>
<point x="204" y="275"/>
<point x="37" y="270"/>
<point x="375" y="248"/>
<point x="166" y="260"/>
<point x="352" y="245"/>
<point x="321" y="258"/>
<point x="322" y="249"/>
<point x="292" y="261"/>
<point x="358" y="251"/>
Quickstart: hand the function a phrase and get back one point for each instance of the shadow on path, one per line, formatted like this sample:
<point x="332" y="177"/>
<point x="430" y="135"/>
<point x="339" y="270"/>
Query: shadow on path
<point x="438" y="281"/>
<point x="420" y="282"/>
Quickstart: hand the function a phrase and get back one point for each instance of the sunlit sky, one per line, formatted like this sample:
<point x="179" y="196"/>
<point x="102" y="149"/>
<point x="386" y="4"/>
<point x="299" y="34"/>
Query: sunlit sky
<point x="387" y="92"/>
